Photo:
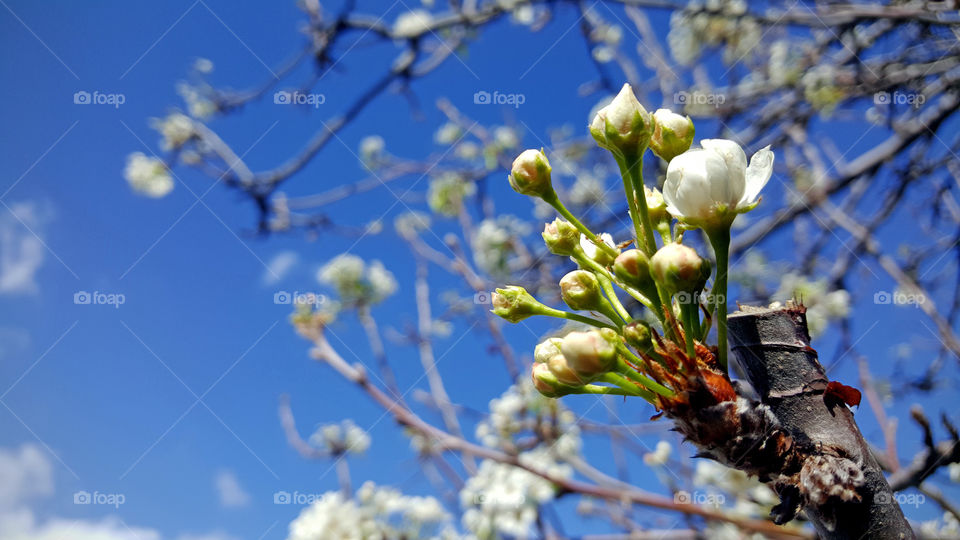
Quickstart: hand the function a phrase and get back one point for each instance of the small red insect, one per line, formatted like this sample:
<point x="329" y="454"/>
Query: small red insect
<point x="840" y="393"/>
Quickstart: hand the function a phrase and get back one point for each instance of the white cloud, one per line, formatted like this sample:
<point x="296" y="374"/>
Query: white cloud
<point x="21" y="251"/>
<point x="24" y="474"/>
<point x="279" y="266"/>
<point x="232" y="494"/>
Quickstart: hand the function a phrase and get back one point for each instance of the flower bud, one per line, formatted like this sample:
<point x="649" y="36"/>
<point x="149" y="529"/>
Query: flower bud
<point x="561" y="237"/>
<point x="679" y="268"/>
<point x="601" y="256"/>
<point x="590" y="354"/>
<point x="530" y="174"/>
<point x="624" y="126"/>
<point x="546" y="350"/>
<point x="546" y="382"/>
<point x="633" y="268"/>
<point x="515" y="304"/>
<point x="563" y="372"/>
<point x="581" y="291"/>
<point x="672" y="134"/>
<point x="638" y="335"/>
<point x="656" y="206"/>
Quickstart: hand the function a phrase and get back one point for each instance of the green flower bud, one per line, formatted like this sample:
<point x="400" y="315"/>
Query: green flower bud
<point x="672" y="134"/>
<point x="638" y="335"/>
<point x="563" y="372"/>
<point x="515" y="304"/>
<point x="633" y="268"/>
<point x="601" y="256"/>
<point x="679" y="268"/>
<point x="546" y="350"/>
<point x="530" y="175"/>
<point x="581" y="291"/>
<point x="590" y="354"/>
<point x="656" y="206"/>
<point x="546" y="382"/>
<point x="561" y="237"/>
<point x="624" y="127"/>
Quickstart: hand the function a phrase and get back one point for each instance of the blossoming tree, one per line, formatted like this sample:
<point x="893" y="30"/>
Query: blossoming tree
<point x="647" y="326"/>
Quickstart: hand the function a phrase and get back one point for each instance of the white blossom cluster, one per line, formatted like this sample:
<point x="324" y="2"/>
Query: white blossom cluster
<point x="148" y="175"/>
<point x="199" y="105"/>
<point x="447" y="191"/>
<point x="176" y="129"/>
<point x="343" y="437"/>
<point x="376" y="513"/>
<point x="356" y="281"/>
<point x="412" y="23"/>
<point x="823" y="305"/>
<point x="410" y="224"/>
<point x="946" y="527"/>
<point x="720" y="22"/>
<point x="495" y="241"/>
<point x="750" y="498"/>
<point x="501" y="499"/>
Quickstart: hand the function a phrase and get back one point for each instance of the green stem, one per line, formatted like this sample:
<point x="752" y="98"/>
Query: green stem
<point x="609" y="390"/>
<point x="688" y="311"/>
<point x="628" y="385"/>
<point x="720" y="240"/>
<point x="644" y="381"/>
<point x="612" y="298"/>
<point x="551" y="312"/>
<point x="631" y="197"/>
<point x="587" y="262"/>
<point x="635" y="171"/>
<point x="554" y="201"/>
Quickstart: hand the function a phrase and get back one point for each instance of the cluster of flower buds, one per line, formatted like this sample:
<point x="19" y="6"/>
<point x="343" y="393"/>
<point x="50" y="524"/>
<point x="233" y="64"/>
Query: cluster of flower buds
<point x="705" y="188"/>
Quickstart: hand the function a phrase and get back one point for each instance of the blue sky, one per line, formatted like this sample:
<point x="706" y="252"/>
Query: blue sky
<point x="159" y="397"/>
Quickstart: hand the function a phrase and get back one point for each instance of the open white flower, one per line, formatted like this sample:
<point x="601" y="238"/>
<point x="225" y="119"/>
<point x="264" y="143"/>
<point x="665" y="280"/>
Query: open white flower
<point x="591" y="250"/>
<point x="709" y="186"/>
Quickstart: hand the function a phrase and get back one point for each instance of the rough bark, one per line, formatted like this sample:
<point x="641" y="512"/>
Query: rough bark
<point x="839" y="484"/>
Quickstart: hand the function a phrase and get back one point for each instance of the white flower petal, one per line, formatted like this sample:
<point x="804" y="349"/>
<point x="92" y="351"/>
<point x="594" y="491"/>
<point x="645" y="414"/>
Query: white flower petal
<point x="757" y="175"/>
<point x="730" y="152"/>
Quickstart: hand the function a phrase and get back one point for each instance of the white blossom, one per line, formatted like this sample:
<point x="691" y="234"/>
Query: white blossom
<point x="710" y="185"/>
<point x="660" y="456"/>
<point x="590" y="249"/>
<point x="412" y="23"/>
<point x="340" y="438"/>
<point x="148" y="175"/>
<point x="176" y="129"/>
<point x="356" y="281"/>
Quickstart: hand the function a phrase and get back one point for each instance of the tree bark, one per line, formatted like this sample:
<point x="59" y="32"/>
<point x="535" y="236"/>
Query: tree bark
<point x="840" y="485"/>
